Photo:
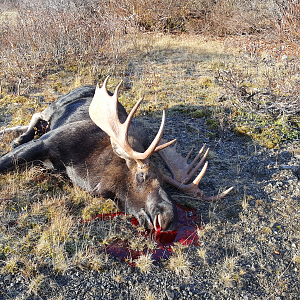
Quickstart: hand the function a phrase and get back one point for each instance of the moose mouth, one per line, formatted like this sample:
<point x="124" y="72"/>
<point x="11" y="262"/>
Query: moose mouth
<point x="154" y="224"/>
<point x="157" y="223"/>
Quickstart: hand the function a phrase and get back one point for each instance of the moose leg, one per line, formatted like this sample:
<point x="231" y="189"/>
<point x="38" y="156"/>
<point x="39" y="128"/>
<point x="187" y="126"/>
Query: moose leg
<point x="36" y="125"/>
<point x="18" y="130"/>
<point x="32" y="152"/>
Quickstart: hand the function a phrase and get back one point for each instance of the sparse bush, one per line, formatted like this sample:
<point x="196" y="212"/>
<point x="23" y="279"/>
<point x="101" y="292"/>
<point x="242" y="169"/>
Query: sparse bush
<point x="262" y="94"/>
<point x="144" y="262"/>
<point x="289" y="25"/>
<point x="241" y="16"/>
<point x="179" y="262"/>
<point x="218" y="17"/>
<point x="47" y="36"/>
<point x="44" y="38"/>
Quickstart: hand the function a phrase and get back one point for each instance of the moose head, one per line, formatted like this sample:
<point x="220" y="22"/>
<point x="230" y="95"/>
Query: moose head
<point x="142" y="194"/>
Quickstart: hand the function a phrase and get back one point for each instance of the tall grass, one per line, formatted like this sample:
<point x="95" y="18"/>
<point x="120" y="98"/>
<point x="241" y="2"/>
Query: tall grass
<point x="288" y="28"/>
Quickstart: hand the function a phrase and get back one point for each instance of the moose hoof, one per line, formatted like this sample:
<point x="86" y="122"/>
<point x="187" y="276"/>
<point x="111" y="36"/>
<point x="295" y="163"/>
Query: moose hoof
<point x="15" y="143"/>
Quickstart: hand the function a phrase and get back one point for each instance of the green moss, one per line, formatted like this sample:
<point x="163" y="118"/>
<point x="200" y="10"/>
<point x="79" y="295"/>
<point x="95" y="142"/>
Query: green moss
<point x="212" y="123"/>
<point x="198" y="114"/>
<point x="267" y="131"/>
<point x="203" y="113"/>
<point x="193" y="111"/>
<point x="210" y="134"/>
<point x="241" y="130"/>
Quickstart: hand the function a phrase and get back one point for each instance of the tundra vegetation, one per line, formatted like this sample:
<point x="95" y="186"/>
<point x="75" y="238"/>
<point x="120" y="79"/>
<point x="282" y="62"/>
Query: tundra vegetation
<point x="227" y="72"/>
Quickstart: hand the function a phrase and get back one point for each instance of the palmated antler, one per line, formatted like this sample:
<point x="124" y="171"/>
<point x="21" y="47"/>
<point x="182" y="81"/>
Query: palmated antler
<point x="182" y="172"/>
<point x="104" y="113"/>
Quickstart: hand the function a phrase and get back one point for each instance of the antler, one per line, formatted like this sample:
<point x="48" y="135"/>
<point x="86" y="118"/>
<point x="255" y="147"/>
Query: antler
<point x="182" y="172"/>
<point x="104" y="112"/>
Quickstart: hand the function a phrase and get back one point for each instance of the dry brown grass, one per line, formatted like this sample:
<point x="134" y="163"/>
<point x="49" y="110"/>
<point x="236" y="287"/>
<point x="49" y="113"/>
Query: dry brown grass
<point x="179" y="261"/>
<point x="144" y="262"/>
<point x="88" y="35"/>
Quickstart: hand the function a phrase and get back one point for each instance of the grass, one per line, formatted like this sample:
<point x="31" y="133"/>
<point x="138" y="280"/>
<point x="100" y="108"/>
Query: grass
<point x="8" y="16"/>
<point x="45" y="211"/>
<point x="144" y="263"/>
<point x="179" y="262"/>
<point x="261" y="89"/>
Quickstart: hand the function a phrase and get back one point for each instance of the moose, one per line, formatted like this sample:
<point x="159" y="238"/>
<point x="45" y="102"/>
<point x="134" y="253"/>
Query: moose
<point x="88" y="135"/>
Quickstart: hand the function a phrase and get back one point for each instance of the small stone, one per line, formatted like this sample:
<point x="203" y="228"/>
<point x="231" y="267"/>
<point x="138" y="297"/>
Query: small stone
<point x="170" y="294"/>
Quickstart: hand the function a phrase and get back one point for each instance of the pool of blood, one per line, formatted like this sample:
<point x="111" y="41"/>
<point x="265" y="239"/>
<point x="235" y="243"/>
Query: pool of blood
<point x="186" y="234"/>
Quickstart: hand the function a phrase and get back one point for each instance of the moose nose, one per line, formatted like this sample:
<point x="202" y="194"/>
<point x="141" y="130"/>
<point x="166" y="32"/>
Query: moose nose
<point x="165" y="221"/>
<point x="161" y="210"/>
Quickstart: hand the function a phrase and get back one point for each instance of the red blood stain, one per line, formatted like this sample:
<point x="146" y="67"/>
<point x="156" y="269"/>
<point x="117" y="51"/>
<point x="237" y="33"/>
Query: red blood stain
<point x="186" y="234"/>
<point x="104" y="217"/>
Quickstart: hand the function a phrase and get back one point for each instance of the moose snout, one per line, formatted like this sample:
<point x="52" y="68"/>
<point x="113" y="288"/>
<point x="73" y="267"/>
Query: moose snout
<point x="161" y="211"/>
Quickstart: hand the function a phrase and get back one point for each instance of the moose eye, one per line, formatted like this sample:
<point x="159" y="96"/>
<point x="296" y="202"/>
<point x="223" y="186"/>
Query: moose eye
<point x="140" y="177"/>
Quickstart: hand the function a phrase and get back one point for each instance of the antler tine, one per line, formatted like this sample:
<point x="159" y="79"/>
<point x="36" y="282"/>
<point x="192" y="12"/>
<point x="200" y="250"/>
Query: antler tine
<point x="189" y="154"/>
<point x="103" y="111"/>
<point x="201" y="174"/>
<point x="196" y="158"/>
<point x="165" y="145"/>
<point x="105" y="83"/>
<point x="190" y="189"/>
<point x="197" y="179"/>
<point x="181" y="174"/>
<point x="191" y="174"/>
<point x="219" y="196"/>
<point x="154" y="147"/>
<point x="129" y="118"/>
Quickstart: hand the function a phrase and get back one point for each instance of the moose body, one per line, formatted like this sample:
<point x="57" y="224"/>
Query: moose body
<point x="74" y="144"/>
<point x="93" y="158"/>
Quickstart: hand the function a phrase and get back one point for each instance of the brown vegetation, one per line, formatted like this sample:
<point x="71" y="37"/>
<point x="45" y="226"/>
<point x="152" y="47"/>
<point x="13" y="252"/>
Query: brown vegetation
<point x="40" y="37"/>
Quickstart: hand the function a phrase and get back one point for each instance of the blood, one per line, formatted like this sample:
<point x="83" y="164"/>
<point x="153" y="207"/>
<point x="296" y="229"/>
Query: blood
<point x="186" y="234"/>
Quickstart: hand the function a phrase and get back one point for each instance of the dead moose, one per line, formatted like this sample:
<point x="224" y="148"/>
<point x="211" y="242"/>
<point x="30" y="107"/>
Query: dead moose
<point x="88" y="135"/>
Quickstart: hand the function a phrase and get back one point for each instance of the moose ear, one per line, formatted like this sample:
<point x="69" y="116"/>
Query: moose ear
<point x="131" y="163"/>
<point x="118" y="150"/>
